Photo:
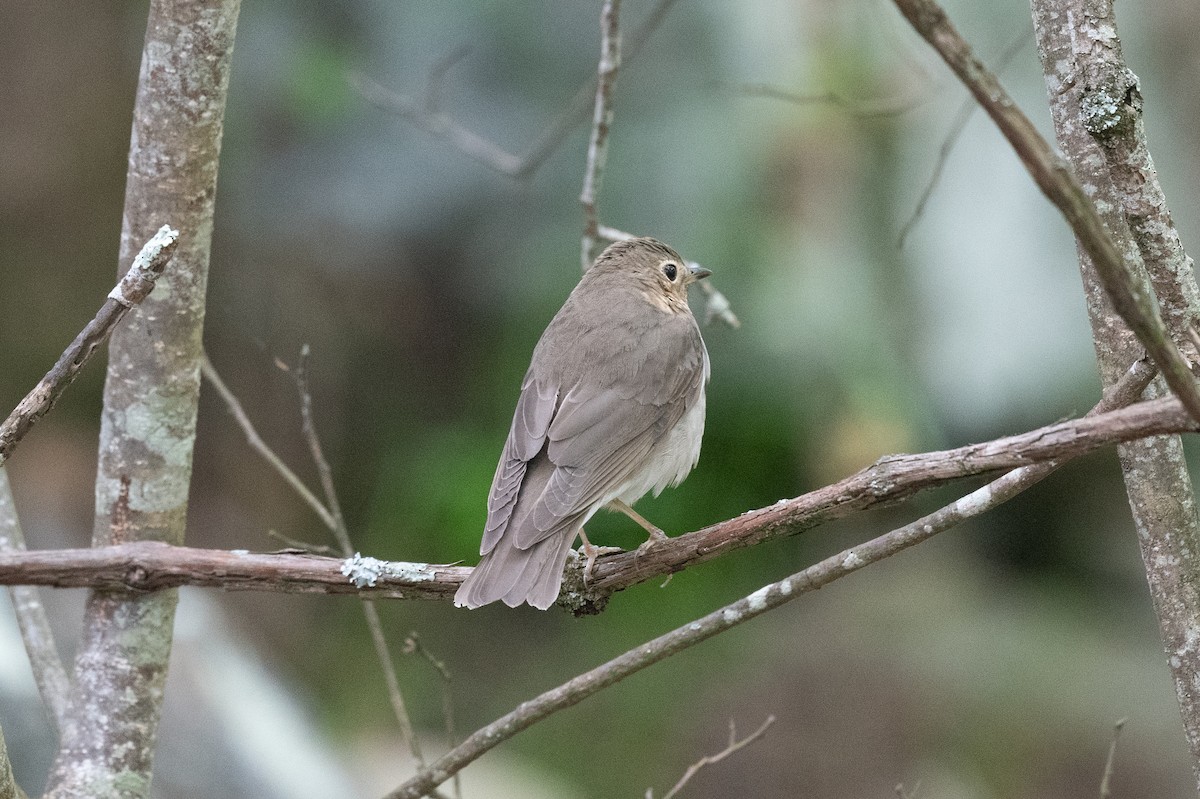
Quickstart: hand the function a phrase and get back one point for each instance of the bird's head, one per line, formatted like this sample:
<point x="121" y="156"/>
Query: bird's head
<point x="654" y="268"/>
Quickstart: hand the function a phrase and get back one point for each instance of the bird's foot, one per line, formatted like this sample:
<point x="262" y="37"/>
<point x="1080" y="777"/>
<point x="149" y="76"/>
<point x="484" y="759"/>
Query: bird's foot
<point x="590" y="552"/>
<point x="656" y="537"/>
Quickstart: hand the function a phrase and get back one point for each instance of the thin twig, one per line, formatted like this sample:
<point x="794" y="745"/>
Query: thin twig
<point x="1054" y="177"/>
<point x="473" y="145"/>
<point x="866" y="109"/>
<point x="413" y="645"/>
<point x="258" y="445"/>
<point x="965" y="111"/>
<point x="1106" y="779"/>
<point x="708" y="760"/>
<point x="325" y="474"/>
<point x="137" y="282"/>
<point x="602" y="114"/>
<point x="48" y="671"/>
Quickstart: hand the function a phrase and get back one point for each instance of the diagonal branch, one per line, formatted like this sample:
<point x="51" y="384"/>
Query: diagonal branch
<point x="766" y="598"/>
<point x="1130" y="298"/>
<point x="149" y="566"/>
<point x="430" y="118"/>
<point x="129" y="291"/>
<point x="48" y="671"/>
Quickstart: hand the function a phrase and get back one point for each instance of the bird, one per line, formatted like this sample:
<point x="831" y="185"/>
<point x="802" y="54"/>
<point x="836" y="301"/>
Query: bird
<point x="612" y="407"/>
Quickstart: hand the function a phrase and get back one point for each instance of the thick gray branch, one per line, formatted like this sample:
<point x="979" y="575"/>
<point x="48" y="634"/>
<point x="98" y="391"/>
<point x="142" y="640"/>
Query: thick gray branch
<point x="1095" y="105"/>
<point x="148" y="423"/>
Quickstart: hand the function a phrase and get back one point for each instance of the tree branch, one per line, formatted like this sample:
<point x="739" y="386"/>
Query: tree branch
<point x="149" y="566"/>
<point x="602" y="113"/>
<point x="48" y="672"/>
<point x="734" y="746"/>
<point x="1130" y="298"/>
<point x="129" y="291"/>
<point x="1096" y="110"/>
<point x="148" y="429"/>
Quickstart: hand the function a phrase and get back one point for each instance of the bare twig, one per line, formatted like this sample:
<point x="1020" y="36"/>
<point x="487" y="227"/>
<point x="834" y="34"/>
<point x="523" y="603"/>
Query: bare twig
<point x="473" y="145"/>
<point x="413" y="645"/>
<point x="258" y="445"/>
<point x="1106" y="778"/>
<point x="965" y="111"/>
<point x="602" y="113"/>
<point x="1054" y="177"/>
<point x="48" y="671"/>
<point x="325" y="473"/>
<point x="867" y="109"/>
<point x="129" y="291"/>
<point x="708" y="760"/>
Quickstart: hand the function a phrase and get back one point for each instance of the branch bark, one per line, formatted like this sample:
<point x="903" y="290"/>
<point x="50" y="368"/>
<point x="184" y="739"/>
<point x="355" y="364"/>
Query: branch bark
<point x="151" y="566"/>
<point x="1096" y="109"/>
<point x="48" y="672"/>
<point x="148" y="423"/>
<point x="597" y="153"/>
<point x="129" y="291"/>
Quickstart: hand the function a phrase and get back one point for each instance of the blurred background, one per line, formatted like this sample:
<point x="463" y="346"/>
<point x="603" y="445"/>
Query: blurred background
<point x="991" y="662"/>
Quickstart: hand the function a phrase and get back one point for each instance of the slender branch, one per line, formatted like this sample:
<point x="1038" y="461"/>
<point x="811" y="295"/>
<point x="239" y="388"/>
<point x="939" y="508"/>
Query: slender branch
<point x="258" y="445"/>
<point x="428" y="116"/>
<point x="867" y="109"/>
<point x="708" y="760"/>
<point x="129" y="291"/>
<point x="414" y="646"/>
<point x="370" y="612"/>
<point x="602" y="114"/>
<point x="48" y="671"/>
<point x="1135" y="305"/>
<point x="1106" y="777"/>
<point x="957" y="126"/>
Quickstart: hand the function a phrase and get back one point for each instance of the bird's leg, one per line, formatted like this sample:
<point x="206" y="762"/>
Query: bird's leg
<point x="657" y="536"/>
<point x="590" y="553"/>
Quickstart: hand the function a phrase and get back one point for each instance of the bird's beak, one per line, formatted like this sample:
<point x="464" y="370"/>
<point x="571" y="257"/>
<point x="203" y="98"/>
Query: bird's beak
<point x="698" y="272"/>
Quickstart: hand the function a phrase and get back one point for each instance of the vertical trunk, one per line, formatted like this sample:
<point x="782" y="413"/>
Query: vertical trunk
<point x="1096" y="107"/>
<point x="150" y="398"/>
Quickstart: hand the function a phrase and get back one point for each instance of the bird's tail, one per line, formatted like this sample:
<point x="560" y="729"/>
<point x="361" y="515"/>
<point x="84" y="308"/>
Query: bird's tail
<point x="515" y="575"/>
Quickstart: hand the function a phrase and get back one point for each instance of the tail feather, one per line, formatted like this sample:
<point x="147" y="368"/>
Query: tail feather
<point x="532" y="575"/>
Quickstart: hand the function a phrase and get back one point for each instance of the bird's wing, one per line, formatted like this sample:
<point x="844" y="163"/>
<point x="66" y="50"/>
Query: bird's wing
<point x="606" y="424"/>
<point x="526" y="438"/>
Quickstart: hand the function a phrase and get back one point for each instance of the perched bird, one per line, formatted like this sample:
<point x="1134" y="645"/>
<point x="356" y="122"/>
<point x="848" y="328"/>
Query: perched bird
<point x="612" y="406"/>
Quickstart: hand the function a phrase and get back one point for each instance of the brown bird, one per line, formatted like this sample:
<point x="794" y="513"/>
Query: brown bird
<point x="612" y="407"/>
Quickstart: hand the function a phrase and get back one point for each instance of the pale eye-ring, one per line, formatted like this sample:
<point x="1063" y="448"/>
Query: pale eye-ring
<point x="670" y="270"/>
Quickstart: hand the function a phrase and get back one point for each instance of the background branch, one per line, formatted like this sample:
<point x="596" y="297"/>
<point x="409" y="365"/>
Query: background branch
<point x="131" y="289"/>
<point x="602" y="114"/>
<point x="1130" y="298"/>
<point x="48" y="672"/>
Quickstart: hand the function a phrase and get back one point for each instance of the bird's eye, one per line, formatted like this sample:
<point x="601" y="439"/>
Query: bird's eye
<point x="669" y="269"/>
